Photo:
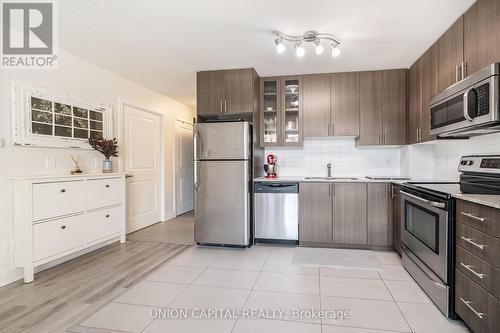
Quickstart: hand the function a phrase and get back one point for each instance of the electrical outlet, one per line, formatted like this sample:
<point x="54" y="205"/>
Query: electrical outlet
<point x="7" y="247"/>
<point x="50" y="163"/>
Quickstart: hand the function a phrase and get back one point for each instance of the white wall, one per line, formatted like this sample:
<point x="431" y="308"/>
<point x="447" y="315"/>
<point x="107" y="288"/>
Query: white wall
<point x="347" y="159"/>
<point x="85" y="80"/>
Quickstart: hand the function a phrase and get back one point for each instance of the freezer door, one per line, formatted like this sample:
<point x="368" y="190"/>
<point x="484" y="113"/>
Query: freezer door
<point x="222" y="141"/>
<point x="222" y="203"/>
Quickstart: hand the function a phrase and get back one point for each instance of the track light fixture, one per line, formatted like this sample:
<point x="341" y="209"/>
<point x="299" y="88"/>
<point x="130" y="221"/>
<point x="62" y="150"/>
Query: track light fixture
<point x="308" y="37"/>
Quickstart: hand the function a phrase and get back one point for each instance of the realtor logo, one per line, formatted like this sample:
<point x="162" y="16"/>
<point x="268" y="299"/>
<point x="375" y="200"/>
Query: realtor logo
<point x="28" y="34"/>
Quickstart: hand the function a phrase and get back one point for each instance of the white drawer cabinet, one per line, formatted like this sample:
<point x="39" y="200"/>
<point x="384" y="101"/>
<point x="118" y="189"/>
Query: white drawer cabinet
<point x="57" y="199"/>
<point x="58" y="218"/>
<point x="103" y="192"/>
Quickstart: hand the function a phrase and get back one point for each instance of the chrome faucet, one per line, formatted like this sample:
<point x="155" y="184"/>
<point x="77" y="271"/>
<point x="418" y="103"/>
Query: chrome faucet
<point x="329" y="167"/>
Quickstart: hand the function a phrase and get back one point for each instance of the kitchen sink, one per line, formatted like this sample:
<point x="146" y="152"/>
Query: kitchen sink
<point x="331" y="178"/>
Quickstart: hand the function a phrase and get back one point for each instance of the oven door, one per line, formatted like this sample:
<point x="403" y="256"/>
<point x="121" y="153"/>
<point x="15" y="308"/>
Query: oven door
<point x="424" y="231"/>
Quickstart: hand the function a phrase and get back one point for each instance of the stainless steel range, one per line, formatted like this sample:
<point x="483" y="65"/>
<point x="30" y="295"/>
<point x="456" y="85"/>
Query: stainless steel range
<point x="428" y="225"/>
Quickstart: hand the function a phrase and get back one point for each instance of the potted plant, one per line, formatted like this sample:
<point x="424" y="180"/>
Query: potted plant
<point x="108" y="148"/>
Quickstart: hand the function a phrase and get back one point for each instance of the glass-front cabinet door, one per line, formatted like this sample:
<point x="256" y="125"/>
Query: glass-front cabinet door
<point x="281" y="111"/>
<point x="270" y="106"/>
<point x="292" y="110"/>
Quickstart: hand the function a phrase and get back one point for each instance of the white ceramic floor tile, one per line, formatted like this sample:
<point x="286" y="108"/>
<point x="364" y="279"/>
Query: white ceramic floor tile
<point x="355" y="288"/>
<point x="288" y="283"/>
<point x="353" y="273"/>
<point x="239" y="262"/>
<point x="151" y="293"/>
<point x="282" y="252"/>
<point x="227" y="278"/>
<point x="388" y="258"/>
<point x="273" y="326"/>
<point x="197" y="297"/>
<point x="426" y="318"/>
<point x="394" y="272"/>
<point x="286" y="266"/>
<point x="175" y="274"/>
<point x="190" y="326"/>
<point x="286" y="302"/>
<point x="341" y="329"/>
<point x="369" y="314"/>
<point x="407" y="291"/>
<point x="194" y="257"/>
<point x="120" y="317"/>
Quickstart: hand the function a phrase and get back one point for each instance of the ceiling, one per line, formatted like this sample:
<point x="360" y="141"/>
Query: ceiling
<point x="161" y="44"/>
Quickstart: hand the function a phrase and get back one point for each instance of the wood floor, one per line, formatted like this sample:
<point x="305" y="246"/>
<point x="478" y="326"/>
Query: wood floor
<point x="179" y="230"/>
<point x="61" y="296"/>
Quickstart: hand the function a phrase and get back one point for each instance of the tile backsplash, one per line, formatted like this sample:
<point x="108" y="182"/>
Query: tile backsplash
<point x="346" y="157"/>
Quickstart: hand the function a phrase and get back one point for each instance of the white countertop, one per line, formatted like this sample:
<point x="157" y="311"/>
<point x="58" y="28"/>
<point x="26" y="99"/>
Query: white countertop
<point x="68" y="176"/>
<point x="334" y="179"/>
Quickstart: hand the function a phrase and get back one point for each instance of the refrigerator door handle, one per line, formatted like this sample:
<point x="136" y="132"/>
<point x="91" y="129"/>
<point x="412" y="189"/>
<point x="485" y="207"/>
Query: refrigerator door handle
<point x="195" y="141"/>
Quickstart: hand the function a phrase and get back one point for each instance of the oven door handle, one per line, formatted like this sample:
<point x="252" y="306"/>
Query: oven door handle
<point x="431" y="203"/>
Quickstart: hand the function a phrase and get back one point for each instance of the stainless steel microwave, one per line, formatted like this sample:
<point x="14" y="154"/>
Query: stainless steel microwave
<point x="469" y="107"/>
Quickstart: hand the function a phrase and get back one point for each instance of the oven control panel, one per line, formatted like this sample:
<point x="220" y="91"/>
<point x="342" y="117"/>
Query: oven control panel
<point x="480" y="164"/>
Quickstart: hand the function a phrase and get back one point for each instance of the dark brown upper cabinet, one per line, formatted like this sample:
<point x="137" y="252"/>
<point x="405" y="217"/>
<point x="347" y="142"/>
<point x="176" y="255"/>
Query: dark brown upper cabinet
<point x="344" y="104"/>
<point x="383" y="107"/>
<point x="331" y="105"/>
<point x="450" y="56"/>
<point x="281" y="111"/>
<point x="226" y="91"/>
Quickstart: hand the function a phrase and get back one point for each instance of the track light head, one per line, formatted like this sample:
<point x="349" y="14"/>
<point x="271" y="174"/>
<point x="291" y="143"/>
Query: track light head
<point x="299" y="50"/>
<point x="280" y="47"/>
<point x="318" y="47"/>
<point x="334" y="50"/>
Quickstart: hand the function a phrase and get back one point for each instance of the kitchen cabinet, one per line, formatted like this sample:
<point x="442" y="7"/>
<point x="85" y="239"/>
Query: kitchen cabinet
<point x="396" y="217"/>
<point x="414" y="103"/>
<point x="315" y="213"/>
<point x="317" y="105"/>
<point x="344" y="104"/>
<point x="225" y="91"/>
<point x="480" y="35"/>
<point x="349" y="213"/>
<point x="383" y="107"/>
<point x="281" y="111"/>
<point x="378" y="214"/>
<point x="450" y="56"/>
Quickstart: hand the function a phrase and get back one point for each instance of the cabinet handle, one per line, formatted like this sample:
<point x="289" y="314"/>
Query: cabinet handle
<point x="221" y="105"/>
<point x="63" y="190"/>
<point x="333" y="129"/>
<point x="469" y="268"/>
<point x="385" y="138"/>
<point x="456" y="73"/>
<point x="379" y="138"/>
<point x="467" y="304"/>
<point x="225" y="106"/>
<point x="63" y="227"/>
<point x="480" y="219"/>
<point x="107" y="186"/>
<point x="107" y="216"/>
<point x="330" y="190"/>
<point x="471" y="242"/>
<point x="464" y="69"/>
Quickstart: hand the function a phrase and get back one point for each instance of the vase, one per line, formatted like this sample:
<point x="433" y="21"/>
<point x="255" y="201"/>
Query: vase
<point x="107" y="166"/>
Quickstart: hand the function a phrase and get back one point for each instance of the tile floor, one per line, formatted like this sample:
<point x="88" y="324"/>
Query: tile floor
<point x="264" y="277"/>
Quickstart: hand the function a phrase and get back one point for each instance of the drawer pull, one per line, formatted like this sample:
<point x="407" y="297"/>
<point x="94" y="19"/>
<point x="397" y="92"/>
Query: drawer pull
<point x="480" y="219"/>
<point x="63" y="190"/>
<point x="63" y="227"/>
<point x="467" y="304"/>
<point x="468" y="267"/>
<point x="471" y="242"/>
<point x="107" y="185"/>
<point x="107" y="216"/>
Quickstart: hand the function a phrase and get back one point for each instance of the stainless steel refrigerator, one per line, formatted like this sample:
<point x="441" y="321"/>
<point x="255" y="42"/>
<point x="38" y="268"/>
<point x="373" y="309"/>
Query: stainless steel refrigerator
<point x="223" y="157"/>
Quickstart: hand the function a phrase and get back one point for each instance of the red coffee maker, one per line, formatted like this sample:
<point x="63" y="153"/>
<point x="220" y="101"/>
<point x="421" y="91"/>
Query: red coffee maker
<point x="271" y="167"/>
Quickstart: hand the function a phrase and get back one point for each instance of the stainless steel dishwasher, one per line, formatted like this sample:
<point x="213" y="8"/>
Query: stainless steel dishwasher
<point x="276" y="218"/>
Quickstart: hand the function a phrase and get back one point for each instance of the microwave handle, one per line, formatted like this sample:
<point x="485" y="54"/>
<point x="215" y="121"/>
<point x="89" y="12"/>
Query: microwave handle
<point x="466" y="104"/>
<point x="430" y="203"/>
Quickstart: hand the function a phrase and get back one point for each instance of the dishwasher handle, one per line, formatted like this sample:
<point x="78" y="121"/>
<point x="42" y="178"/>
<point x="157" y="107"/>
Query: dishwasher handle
<point x="276" y="188"/>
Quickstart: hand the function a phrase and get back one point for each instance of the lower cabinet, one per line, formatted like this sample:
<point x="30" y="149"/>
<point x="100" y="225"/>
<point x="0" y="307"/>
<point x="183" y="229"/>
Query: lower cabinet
<point x="349" y="213"/>
<point x="379" y="228"/>
<point x="315" y="217"/>
<point x="345" y="214"/>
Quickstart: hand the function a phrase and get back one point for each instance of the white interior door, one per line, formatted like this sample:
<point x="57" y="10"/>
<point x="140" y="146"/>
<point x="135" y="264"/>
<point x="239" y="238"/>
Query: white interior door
<point x="184" y="167"/>
<point x="142" y="160"/>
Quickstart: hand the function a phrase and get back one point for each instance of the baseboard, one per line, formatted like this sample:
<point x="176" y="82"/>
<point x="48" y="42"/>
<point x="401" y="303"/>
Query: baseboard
<point x="170" y="215"/>
<point x="10" y="275"/>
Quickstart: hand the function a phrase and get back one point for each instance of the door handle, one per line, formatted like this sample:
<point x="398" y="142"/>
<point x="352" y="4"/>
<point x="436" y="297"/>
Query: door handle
<point x="430" y="203"/>
<point x="195" y="148"/>
<point x="129" y="176"/>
